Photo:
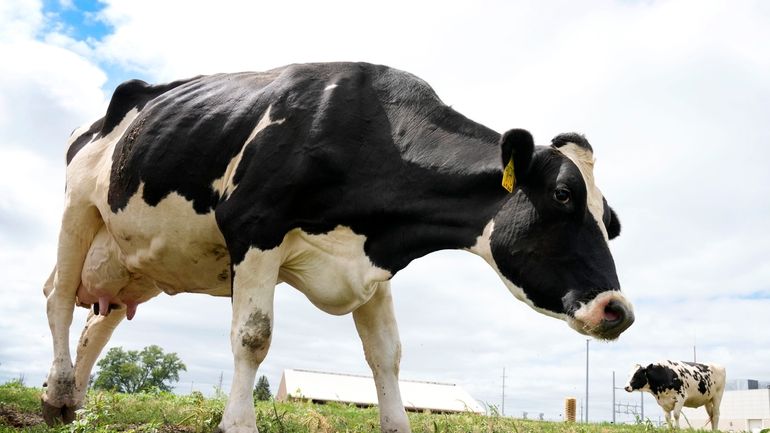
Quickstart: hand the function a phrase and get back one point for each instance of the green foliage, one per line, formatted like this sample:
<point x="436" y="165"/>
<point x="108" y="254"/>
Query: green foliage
<point x="132" y="371"/>
<point x="15" y="394"/>
<point x="262" y="389"/>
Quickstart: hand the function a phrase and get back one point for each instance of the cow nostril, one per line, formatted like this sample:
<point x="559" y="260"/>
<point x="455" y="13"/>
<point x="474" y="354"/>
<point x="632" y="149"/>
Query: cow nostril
<point x="614" y="313"/>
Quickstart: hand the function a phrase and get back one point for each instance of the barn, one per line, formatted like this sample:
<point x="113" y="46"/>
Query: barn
<point x="745" y="407"/>
<point x="322" y="387"/>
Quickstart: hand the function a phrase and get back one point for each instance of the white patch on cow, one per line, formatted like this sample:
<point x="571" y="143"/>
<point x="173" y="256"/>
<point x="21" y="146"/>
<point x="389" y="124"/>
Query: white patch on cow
<point x="189" y="257"/>
<point x="331" y="270"/>
<point x="584" y="160"/>
<point x="483" y="249"/>
<point x="330" y="87"/>
<point x="589" y="317"/>
<point x="89" y="171"/>
<point x="225" y="185"/>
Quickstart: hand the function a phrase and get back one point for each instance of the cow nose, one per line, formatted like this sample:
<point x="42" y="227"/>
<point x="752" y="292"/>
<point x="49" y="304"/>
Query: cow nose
<point x="628" y="389"/>
<point x="617" y="317"/>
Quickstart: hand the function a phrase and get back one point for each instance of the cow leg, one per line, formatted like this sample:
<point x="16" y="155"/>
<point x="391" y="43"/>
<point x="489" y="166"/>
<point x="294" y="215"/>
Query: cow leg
<point x="94" y="337"/>
<point x="667" y="413"/>
<point x="710" y="411"/>
<point x="254" y="283"/>
<point x="376" y="325"/>
<point x="79" y="225"/>
<point x="714" y="412"/>
<point x="678" y="411"/>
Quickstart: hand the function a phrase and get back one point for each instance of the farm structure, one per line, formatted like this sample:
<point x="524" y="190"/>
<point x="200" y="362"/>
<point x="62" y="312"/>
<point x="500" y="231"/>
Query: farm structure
<point x="322" y="387"/>
<point x="741" y="410"/>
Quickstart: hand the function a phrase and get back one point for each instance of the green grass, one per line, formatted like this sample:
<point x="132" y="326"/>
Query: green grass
<point x="107" y="412"/>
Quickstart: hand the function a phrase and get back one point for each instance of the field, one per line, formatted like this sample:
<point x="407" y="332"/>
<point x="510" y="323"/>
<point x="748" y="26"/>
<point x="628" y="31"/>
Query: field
<point x="170" y="413"/>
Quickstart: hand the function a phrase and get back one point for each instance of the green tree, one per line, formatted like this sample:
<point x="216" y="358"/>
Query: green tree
<point x="133" y="371"/>
<point x="262" y="389"/>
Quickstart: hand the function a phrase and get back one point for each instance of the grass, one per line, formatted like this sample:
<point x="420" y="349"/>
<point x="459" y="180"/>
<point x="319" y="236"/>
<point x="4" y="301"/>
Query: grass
<point x="107" y="412"/>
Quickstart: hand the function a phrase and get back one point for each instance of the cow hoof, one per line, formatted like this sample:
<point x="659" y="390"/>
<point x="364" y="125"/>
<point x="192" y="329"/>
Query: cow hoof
<point x="57" y="415"/>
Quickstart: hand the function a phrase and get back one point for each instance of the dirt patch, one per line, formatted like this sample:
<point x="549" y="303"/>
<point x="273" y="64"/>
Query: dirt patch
<point x="13" y="417"/>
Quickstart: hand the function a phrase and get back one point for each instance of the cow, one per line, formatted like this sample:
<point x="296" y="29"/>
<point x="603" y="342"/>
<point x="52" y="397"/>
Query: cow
<point x="330" y="177"/>
<point x="676" y="384"/>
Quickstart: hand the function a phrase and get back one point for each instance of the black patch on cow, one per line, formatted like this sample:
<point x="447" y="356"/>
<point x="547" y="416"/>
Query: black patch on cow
<point x="83" y="139"/>
<point x="611" y="221"/>
<point x="663" y="378"/>
<point x="702" y="375"/>
<point x="639" y="379"/>
<point x="571" y="137"/>
<point x="335" y="159"/>
<point x="554" y="251"/>
<point x="133" y="94"/>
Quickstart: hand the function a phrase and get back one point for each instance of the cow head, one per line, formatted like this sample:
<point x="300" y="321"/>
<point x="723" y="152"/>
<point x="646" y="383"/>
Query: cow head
<point x="549" y="240"/>
<point x="637" y="379"/>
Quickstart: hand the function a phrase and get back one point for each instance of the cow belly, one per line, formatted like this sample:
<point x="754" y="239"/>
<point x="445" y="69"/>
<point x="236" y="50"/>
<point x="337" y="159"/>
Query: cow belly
<point x="697" y="400"/>
<point x="331" y="269"/>
<point x="180" y="250"/>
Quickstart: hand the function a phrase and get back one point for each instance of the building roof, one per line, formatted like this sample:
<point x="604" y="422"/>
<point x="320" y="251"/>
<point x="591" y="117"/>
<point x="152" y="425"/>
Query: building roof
<point x="360" y="390"/>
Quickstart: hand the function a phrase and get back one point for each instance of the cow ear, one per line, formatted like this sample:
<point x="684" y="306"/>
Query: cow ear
<point x="517" y="144"/>
<point x="613" y="230"/>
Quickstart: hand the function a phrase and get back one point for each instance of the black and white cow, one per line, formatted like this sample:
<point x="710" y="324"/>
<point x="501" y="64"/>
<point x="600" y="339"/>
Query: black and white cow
<point x="676" y="384"/>
<point x="331" y="178"/>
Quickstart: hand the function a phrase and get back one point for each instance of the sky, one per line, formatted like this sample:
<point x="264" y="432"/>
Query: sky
<point x="674" y="96"/>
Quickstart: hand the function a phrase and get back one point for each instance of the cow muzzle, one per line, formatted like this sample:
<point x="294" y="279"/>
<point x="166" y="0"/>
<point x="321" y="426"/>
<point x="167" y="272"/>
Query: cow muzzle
<point x="604" y="317"/>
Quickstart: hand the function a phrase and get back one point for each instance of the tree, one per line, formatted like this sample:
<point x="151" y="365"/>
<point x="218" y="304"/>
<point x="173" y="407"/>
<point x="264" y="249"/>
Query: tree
<point x="262" y="389"/>
<point x="133" y="371"/>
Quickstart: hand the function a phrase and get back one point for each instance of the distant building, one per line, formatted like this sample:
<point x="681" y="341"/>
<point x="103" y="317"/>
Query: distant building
<point x="744" y="384"/>
<point x="741" y="410"/>
<point x="324" y="387"/>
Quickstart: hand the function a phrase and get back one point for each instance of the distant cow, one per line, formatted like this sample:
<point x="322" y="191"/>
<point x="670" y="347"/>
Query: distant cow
<point x="332" y="178"/>
<point x="676" y="384"/>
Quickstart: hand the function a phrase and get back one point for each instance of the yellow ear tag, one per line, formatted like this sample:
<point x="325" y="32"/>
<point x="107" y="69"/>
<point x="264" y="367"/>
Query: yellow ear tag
<point x="509" y="178"/>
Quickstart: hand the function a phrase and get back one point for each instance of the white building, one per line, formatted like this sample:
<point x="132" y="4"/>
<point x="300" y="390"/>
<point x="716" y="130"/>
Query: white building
<point x="360" y="390"/>
<point x="741" y="410"/>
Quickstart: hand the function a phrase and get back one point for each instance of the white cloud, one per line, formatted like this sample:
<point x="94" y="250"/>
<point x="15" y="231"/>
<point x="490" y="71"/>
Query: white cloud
<point x="673" y="95"/>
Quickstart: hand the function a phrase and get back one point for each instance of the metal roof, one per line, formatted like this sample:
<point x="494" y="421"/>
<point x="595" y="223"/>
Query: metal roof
<point x="360" y="390"/>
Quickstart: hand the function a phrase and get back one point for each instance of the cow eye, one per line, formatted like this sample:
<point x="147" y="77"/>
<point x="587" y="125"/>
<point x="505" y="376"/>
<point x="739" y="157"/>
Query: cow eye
<point x="562" y="195"/>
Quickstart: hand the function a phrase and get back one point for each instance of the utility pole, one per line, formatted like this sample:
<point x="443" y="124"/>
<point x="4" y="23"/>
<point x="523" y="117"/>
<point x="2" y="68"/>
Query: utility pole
<point x="613" y="396"/>
<point x="694" y="343"/>
<point x="587" y="340"/>
<point x="503" y="406"/>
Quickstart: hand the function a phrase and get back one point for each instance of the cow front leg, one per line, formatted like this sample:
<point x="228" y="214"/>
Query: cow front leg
<point x="79" y="225"/>
<point x="94" y="337"/>
<point x="376" y="325"/>
<point x="667" y="413"/>
<point x="254" y="283"/>
<point x="677" y="412"/>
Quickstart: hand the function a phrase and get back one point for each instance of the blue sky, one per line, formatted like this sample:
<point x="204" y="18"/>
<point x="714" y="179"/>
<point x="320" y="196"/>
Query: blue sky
<point x="673" y="96"/>
<point x="77" y="19"/>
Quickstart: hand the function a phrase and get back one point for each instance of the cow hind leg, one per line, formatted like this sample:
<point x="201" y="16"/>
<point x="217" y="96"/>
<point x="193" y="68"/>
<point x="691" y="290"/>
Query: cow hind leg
<point x="79" y="225"/>
<point x="254" y="281"/>
<point x="714" y="414"/>
<point x="376" y="325"/>
<point x="94" y="337"/>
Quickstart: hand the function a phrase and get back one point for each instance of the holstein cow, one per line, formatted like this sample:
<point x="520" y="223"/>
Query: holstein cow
<point x="332" y="178"/>
<point x="676" y="384"/>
